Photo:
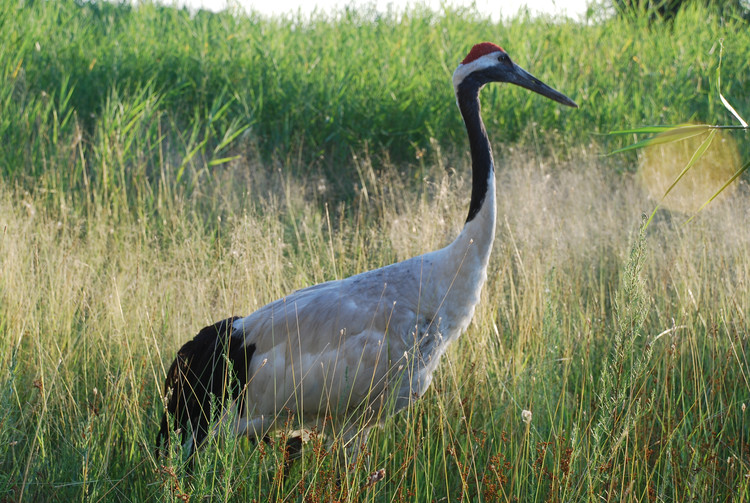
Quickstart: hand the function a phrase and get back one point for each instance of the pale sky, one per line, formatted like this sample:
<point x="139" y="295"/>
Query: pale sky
<point x="492" y="8"/>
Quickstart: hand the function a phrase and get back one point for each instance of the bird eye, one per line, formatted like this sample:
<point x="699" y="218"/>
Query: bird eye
<point x="503" y="58"/>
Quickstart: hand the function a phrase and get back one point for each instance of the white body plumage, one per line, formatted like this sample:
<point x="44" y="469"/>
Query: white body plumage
<point x="346" y="354"/>
<point x="346" y="349"/>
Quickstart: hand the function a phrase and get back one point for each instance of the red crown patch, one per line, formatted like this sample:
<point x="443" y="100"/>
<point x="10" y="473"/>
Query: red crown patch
<point x="480" y="50"/>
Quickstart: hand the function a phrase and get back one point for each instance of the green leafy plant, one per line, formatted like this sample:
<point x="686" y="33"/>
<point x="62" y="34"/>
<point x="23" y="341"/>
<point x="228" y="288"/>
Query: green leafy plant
<point x="670" y="134"/>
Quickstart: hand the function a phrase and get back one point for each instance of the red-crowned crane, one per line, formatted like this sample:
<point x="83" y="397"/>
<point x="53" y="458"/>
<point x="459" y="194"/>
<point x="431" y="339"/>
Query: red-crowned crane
<point x="343" y="355"/>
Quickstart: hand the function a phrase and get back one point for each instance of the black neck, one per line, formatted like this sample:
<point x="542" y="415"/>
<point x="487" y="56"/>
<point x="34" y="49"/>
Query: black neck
<point x="482" y="164"/>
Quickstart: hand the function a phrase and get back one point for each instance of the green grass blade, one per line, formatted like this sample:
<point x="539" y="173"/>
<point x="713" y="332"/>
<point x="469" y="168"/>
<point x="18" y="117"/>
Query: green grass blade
<point x="739" y="172"/>
<point x="696" y="155"/>
<point x="229" y="137"/>
<point x="645" y="130"/>
<point x="651" y="217"/>
<point x="667" y="136"/>
<point x="223" y="160"/>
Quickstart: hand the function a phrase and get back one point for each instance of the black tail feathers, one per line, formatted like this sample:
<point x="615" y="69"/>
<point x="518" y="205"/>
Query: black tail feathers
<point x="200" y="375"/>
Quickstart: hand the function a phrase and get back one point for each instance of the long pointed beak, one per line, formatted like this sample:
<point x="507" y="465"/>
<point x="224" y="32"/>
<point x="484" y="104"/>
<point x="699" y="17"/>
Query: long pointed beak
<point x="521" y="77"/>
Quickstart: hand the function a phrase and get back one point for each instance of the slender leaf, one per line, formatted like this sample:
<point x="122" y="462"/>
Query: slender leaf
<point x="224" y="160"/>
<point x="732" y="110"/>
<point x="744" y="168"/>
<point x="675" y="134"/>
<point x="696" y="155"/>
<point x="647" y="129"/>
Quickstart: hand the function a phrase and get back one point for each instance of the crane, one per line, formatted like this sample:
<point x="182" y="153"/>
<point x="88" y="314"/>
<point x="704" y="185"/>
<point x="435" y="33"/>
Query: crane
<point x="346" y="354"/>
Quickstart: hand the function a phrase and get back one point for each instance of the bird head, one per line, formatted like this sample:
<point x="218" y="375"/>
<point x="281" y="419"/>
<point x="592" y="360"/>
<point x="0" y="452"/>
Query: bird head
<point x="487" y="62"/>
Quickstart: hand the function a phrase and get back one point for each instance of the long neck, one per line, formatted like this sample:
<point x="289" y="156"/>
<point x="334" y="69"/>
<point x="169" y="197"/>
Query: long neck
<point x="464" y="261"/>
<point x="472" y="247"/>
<point x="482" y="164"/>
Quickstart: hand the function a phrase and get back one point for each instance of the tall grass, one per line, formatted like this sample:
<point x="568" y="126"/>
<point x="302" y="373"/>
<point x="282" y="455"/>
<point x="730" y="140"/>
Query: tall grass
<point x="162" y="170"/>
<point x="630" y="351"/>
<point x="192" y="89"/>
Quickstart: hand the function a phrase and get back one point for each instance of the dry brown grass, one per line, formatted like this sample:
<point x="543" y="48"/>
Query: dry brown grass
<point x="93" y="307"/>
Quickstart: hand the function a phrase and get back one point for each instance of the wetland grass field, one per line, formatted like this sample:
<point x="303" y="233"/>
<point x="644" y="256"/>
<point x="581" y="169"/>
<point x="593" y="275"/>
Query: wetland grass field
<point x="162" y="170"/>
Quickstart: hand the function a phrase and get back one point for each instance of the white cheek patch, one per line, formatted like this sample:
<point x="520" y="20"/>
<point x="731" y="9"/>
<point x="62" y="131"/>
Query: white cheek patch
<point x="481" y="63"/>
